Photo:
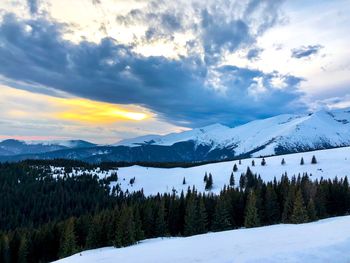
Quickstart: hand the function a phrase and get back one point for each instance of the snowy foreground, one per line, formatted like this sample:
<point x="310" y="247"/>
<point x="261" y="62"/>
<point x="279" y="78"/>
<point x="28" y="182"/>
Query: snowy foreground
<point x="331" y="163"/>
<point x="323" y="241"/>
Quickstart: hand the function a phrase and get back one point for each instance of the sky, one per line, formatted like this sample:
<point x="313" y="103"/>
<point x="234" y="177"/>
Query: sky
<point x="106" y="70"/>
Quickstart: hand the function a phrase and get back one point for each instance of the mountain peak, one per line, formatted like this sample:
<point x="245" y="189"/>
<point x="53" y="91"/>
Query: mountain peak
<point x="215" y="126"/>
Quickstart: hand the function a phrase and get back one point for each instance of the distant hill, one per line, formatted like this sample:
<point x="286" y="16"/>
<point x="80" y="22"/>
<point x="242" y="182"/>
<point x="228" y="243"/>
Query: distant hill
<point x="15" y="147"/>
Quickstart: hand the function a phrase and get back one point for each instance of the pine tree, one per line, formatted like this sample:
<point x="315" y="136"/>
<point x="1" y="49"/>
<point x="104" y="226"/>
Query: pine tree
<point x="272" y="213"/>
<point x="160" y="225"/>
<point x="184" y="181"/>
<point x="263" y="162"/>
<point x="235" y="168"/>
<point x="288" y="206"/>
<point x="190" y="218"/>
<point x="118" y="235"/>
<point x="125" y="228"/>
<point x="232" y="180"/>
<point x="242" y="181"/>
<point x="283" y="162"/>
<point x="92" y="239"/>
<point x="68" y="240"/>
<point x="205" y="179"/>
<point x="209" y="183"/>
<point x="239" y="162"/>
<point x="251" y="213"/>
<point x="147" y="219"/>
<point x="313" y="160"/>
<point x="23" y="250"/>
<point x="202" y="218"/>
<point x="299" y="211"/>
<point x="253" y="163"/>
<point x="139" y="234"/>
<point x="5" y="255"/>
<point x="311" y="210"/>
<point x="302" y="161"/>
<point x="221" y="220"/>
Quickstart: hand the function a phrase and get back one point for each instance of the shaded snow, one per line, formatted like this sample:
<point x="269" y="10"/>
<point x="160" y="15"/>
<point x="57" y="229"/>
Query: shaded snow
<point x="323" y="241"/>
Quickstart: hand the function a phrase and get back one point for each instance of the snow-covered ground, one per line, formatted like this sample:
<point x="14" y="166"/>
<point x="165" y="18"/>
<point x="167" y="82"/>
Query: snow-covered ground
<point x="102" y="174"/>
<point x="323" y="241"/>
<point x="331" y="163"/>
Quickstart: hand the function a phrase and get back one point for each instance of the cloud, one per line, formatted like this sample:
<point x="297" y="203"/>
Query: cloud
<point x="190" y="91"/>
<point x="254" y="54"/>
<point x="29" y="114"/>
<point x="216" y="27"/>
<point x="306" y="51"/>
<point x="33" y="6"/>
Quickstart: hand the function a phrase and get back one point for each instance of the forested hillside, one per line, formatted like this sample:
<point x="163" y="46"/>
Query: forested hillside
<point x="68" y="214"/>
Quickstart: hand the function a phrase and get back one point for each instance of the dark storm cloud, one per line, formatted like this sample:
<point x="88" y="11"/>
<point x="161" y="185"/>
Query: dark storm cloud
<point x="218" y="34"/>
<point x="306" y="51"/>
<point x="188" y="91"/>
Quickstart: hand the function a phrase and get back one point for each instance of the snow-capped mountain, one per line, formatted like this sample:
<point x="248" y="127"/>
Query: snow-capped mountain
<point x="15" y="147"/>
<point x="209" y="135"/>
<point x="282" y="133"/>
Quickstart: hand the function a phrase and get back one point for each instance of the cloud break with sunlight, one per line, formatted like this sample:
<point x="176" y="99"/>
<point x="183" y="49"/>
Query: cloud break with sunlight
<point x="95" y="112"/>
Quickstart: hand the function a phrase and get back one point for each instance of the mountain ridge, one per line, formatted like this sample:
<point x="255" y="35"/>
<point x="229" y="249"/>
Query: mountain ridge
<point x="287" y="133"/>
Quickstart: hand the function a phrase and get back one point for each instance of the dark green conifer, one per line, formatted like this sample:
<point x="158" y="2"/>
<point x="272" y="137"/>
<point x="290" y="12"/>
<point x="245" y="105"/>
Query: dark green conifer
<point x="160" y="225"/>
<point x="209" y="183"/>
<point x="125" y="228"/>
<point x="313" y="160"/>
<point x="299" y="211"/>
<point x="311" y="210"/>
<point x="190" y="217"/>
<point x="139" y="234"/>
<point x="68" y="240"/>
<point x="205" y="179"/>
<point x="272" y="213"/>
<point x="5" y="255"/>
<point x="221" y="220"/>
<point x="235" y="168"/>
<point x="23" y="250"/>
<point x="288" y="206"/>
<point x="251" y="212"/>
<point x="232" y="180"/>
<point x="202" y="218"/>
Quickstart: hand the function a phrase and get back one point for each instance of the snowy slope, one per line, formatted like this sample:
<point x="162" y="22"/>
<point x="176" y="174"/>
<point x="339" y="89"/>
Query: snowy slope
<point x="323" y="241"/>
<point x="282" y="133"/>
<point x="331" y="163"/>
